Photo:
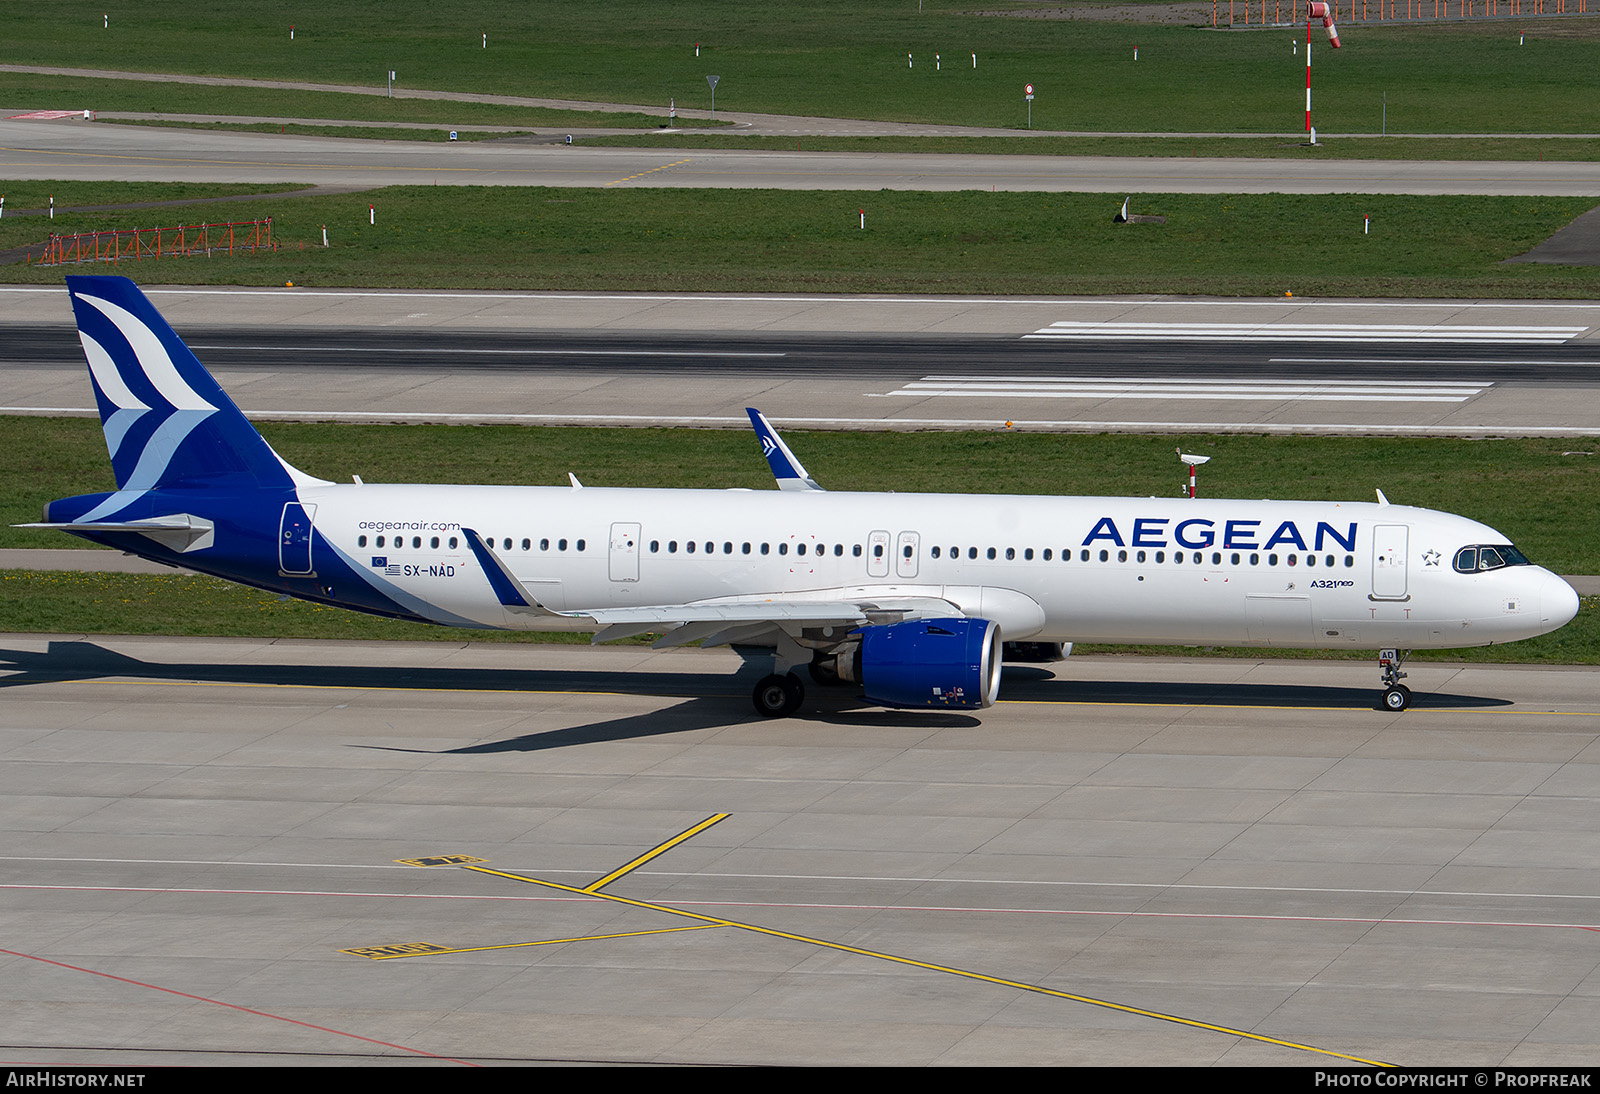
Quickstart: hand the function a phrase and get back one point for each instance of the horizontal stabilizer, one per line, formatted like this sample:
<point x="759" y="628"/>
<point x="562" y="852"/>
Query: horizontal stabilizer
<point x="180" y="532"/>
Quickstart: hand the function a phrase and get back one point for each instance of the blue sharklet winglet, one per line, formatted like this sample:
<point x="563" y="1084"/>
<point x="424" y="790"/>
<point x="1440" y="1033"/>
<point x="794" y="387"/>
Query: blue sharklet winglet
<point x="512" y="594"/>
<point x="786" y="468"/>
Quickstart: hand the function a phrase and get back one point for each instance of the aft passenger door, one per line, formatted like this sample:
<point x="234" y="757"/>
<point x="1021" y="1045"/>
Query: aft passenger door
<point x="294" y="540"/>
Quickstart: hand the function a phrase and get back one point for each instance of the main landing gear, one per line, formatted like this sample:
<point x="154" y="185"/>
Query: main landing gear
<point x="1396" y="696"/>
<point x="778" y="696"/>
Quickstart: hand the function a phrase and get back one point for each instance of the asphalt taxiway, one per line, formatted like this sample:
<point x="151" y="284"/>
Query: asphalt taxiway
<point x="210" y="847"/>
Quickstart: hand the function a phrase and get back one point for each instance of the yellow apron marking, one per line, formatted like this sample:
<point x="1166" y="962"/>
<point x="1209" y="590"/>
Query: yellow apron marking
<point x="397" y="949"/>
<point x="440" y="860"/>
<point x="659" y="849"/>
<point x="428" y="949"/>
<point x="1018" y="984"/>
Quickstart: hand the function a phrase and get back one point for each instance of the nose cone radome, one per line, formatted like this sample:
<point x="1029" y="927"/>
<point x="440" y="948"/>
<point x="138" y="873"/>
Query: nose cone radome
<point x="1558" y="602"/>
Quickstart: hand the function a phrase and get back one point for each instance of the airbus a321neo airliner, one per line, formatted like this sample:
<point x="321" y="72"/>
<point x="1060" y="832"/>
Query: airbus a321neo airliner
<point x="915" y="598"/>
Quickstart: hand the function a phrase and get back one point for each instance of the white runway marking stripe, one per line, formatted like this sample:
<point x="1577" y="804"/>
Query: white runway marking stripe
<point x="1077" y="330"/>
<point x="1086" y="387"/>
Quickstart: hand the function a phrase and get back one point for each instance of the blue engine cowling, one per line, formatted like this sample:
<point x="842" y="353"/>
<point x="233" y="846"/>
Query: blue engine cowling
<point x="951" y="663"/>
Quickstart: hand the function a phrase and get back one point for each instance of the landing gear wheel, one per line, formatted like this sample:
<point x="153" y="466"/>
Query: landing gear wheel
<point x="1397" y="698"/>
<point x="778" y="696"/>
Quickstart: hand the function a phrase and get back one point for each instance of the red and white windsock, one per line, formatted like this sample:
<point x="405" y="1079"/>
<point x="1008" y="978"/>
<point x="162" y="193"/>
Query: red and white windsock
<point x="1322" y="11"/>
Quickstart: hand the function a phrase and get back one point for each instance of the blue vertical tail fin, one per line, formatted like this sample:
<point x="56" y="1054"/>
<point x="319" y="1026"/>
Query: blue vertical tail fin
<point x="167" y="422"/>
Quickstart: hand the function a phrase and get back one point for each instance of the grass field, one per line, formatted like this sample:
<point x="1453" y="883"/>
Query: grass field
<point x="810" y="241"/>
<point x="836" y="58"/>
<point x="1531" y="490"/>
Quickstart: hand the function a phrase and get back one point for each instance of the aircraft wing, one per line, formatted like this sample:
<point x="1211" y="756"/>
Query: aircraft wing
<point x="821" y="621"/>
<point x="760" y="621"/>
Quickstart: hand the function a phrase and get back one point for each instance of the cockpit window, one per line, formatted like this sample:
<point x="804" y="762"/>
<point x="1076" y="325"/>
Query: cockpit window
<point x="1484" y="557"/>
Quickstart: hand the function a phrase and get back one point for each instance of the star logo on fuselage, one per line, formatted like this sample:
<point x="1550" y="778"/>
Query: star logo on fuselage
<point x="1430" y="557"/>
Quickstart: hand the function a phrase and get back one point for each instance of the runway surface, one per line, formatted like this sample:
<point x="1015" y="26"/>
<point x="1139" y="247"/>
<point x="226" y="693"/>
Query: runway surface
<point x="79" y="150"/>
<point x="1460" y="368"/>
<point x="1197" y="862"/>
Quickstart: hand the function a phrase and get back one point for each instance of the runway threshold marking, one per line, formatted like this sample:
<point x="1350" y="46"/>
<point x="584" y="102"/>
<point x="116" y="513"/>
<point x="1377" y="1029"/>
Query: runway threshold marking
<point x="687" y="833"/>
<point x="717" y="921"/>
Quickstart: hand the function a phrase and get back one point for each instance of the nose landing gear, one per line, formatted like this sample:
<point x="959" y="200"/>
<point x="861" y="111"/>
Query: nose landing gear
<point x="1396" y="696"/>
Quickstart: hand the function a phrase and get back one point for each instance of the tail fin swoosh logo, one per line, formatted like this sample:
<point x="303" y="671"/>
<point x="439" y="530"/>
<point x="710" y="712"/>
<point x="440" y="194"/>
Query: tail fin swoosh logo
<point x="151" y="356"/>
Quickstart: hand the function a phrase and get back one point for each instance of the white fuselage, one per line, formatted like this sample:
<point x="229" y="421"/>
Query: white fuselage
<point x="1157" y="571"/>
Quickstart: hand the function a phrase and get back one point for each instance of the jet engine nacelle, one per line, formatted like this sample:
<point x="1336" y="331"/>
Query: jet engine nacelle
<point x="949" y="663"/>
